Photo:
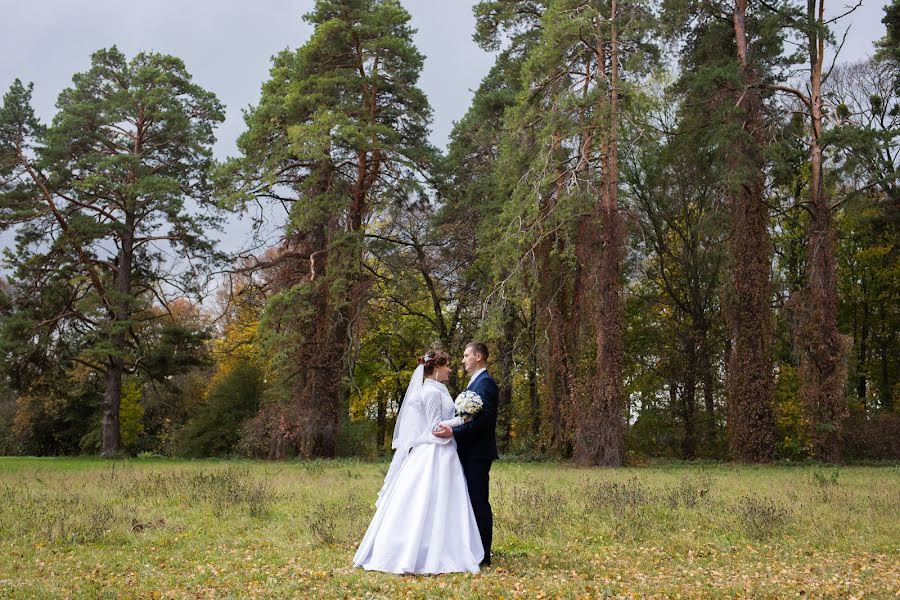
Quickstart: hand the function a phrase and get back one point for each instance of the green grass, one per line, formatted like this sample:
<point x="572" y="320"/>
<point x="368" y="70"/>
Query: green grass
<point x="88" y="528"/>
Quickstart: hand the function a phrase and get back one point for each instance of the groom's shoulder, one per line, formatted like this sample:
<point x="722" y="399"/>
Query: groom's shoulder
<point x="488" y="379"/>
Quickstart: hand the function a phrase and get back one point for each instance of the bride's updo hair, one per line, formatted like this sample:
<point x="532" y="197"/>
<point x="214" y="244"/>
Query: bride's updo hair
<point x="434" y="359"/>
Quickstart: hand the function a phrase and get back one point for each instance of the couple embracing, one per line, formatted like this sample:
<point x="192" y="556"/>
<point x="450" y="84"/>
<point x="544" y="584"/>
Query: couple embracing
<point x="432" y="514"/>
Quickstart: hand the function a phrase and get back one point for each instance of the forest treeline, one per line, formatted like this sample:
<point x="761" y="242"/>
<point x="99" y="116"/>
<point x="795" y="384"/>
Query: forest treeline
<point x="674" y="223"/>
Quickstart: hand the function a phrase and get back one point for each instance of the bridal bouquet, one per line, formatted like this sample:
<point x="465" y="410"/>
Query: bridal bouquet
<point x="468" y="404"/>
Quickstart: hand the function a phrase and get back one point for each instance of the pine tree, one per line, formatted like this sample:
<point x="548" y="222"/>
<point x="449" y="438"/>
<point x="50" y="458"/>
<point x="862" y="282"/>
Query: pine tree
<point x="117" y="182"/>
<point x="495" y="305"/>
<point x="339" y="133"/>
<point x="821" y="348"/>
<point x="560" y="158"/>
<point x="725" y="67"/>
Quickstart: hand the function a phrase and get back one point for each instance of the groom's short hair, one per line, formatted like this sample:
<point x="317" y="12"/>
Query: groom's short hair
<point x="479" y="348"/>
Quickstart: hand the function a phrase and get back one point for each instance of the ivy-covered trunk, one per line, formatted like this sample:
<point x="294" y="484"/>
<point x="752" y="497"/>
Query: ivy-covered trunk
<point x="600" y="434"/>
<point x="749" y="380"/>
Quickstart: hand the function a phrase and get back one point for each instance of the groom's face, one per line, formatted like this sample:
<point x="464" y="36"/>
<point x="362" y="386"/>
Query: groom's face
<point x="470" y="361"/>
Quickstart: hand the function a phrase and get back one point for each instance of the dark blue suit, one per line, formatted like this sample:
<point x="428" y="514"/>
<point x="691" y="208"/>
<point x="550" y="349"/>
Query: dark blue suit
<point x="476" y="444"/>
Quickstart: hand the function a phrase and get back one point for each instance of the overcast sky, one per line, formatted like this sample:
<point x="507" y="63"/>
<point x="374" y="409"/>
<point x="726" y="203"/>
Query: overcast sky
<point x="227" y="46"/>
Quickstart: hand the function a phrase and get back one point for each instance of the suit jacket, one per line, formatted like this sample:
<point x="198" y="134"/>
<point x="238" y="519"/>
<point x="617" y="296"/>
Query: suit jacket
<point x="477" y="439"/>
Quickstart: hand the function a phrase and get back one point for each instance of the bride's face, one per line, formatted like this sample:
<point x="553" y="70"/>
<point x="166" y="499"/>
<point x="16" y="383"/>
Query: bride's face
<point x="442" y="374"/>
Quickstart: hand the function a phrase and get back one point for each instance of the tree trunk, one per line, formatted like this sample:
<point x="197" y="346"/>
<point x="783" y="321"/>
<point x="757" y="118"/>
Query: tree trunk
<point x="558" y="380"/>
<point x="506" y="348"/>
<point x="861" y="375"/>
<point x="534" y="400"/>
<point x="557" y="317"/>
<point x="112" y="440"/>
<point x="887" y="400"/>
<point x="600" y="434"/>
<point x="823" y="350"/>
<point x="312" y="416"/>
<point x="112" y="396"/>
<point x="749" y="382"/>
<point x="318" y="390"/>
<point x="381" y="423"/>
<point x="689" y="402"/>
<point x="709" y="402"/>
<point x="672" y="385"/>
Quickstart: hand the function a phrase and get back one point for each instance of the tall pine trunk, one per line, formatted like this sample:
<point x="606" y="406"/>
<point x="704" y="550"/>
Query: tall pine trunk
<point x="823" y="350"/>
<point x="600" y="436"/>
<point x="749" y="382"/>
<point x="320" y="391"/>
<point x="506" y="347"/>
<point x="111" y="443"/>
<point x="310" y="422"/>
<point x="534" y="400"/>
<point x="558" y="320"/>
<point x="112" y="440"/>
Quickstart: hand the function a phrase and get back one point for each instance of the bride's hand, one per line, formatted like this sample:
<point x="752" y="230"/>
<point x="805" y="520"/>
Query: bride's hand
<point x="443" y="432"/>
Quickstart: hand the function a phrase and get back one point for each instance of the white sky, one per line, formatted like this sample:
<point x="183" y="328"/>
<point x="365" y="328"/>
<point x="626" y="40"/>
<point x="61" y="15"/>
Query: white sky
<point x="227" y="46"/>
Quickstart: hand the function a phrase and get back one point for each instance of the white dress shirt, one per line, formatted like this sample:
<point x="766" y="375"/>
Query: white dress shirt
<point x="476" y="374"/>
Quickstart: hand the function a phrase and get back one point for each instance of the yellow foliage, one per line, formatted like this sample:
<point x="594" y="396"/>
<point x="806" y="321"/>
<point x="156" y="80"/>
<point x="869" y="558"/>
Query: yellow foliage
<point x="789" y="416"/>
<point x="131" y="412"/>
<point x="238" y="345"/>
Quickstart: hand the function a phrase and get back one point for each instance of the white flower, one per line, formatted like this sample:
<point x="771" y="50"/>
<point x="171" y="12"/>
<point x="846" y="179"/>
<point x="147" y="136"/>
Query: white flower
<point x="468" y="404"/>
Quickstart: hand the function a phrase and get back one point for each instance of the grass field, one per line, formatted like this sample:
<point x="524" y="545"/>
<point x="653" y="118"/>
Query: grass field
<point x="87" y="528"/>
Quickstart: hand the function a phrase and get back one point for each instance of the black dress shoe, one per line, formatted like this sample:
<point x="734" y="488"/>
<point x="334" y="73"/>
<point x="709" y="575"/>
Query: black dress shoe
<point x="485" y="563"/>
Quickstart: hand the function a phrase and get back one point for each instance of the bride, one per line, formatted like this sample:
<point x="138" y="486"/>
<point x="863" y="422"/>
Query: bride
<point x="423" y="520"/>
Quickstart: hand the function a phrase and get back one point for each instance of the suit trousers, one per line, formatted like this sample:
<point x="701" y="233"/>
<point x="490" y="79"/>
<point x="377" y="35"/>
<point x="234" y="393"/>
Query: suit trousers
<point x="477" y="473"/>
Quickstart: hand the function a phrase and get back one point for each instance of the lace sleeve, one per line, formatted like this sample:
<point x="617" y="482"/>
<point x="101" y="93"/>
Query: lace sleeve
<point x="454" y="422"/>
<point x="432" y="401"/>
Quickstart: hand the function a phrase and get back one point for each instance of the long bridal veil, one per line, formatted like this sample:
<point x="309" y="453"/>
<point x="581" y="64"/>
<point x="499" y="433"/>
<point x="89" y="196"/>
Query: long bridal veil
<point x="411" y="422"/>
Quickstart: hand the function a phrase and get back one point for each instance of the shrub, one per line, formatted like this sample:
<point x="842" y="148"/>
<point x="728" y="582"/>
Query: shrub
<point x="214" y="428"/>
<point x="873" y="437"/>
<point x="761" y="517"/>
<point x="653" y="434"/>
<point x="616" y="495"/>
<point x="7" y="415"/>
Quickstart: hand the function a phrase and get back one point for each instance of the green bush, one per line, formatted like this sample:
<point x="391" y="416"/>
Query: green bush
<point x="653" y="434"/>
<point x="214" y="428"/>
<point x="7" y="415"/>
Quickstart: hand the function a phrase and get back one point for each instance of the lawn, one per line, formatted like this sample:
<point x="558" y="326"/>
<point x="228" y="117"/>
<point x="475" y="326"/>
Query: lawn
<point x="150" y="528"/>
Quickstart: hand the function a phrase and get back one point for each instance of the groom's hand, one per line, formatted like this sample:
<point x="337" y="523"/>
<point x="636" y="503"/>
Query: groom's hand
<point x="443" y="432"/>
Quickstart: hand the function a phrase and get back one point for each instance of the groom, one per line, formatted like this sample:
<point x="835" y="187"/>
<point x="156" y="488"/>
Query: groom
<point x="476" y="441"/>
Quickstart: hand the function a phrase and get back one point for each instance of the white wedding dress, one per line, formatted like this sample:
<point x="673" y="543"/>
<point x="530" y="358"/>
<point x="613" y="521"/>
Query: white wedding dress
<point x="423" y="520"/>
